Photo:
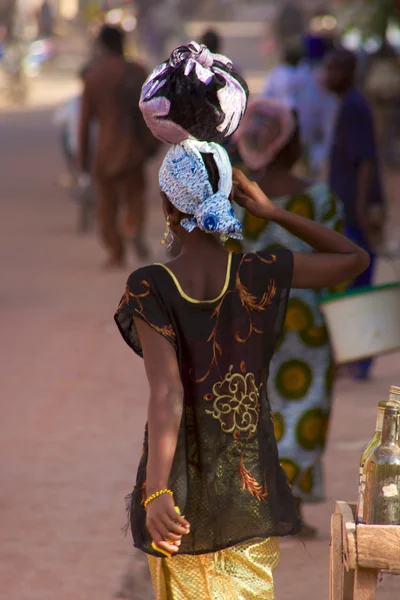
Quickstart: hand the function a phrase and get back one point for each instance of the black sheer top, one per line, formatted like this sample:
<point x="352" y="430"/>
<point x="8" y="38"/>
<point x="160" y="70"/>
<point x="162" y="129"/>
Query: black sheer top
<point x="226" y="475"/>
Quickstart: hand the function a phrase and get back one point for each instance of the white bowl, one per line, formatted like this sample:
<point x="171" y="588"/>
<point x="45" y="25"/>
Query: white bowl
<point x="363" y="322"/>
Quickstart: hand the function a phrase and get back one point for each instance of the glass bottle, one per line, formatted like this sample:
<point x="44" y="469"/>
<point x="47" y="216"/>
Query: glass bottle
<point x="394" y="399"/>
<point x="382" y="471"/>
<point x="394" y="395"/>
<point x="372" y="444"/>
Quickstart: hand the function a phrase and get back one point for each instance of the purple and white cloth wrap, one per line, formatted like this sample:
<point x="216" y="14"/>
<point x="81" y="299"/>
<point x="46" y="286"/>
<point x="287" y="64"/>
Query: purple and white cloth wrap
<point x="184" y="179"/>
<point x="155" y="106"/>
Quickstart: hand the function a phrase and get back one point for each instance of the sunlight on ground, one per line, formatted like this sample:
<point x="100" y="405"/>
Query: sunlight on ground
<point x="42" y="93"/>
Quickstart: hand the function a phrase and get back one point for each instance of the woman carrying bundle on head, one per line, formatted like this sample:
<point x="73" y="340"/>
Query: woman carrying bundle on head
<point x="210" y="493"/>
<point x="301" y="375"/>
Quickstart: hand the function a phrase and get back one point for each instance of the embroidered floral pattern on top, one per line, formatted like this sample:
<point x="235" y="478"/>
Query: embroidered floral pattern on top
<point x="249" y="302"/>
<point x="226" y="475"/>
<point x="249" y="483"/>
<point x="167" y="330"/>
<point x="236" y="397"/>
<point x="236" y="403"/>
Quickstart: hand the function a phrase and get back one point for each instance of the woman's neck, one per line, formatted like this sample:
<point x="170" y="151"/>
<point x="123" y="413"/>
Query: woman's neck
<point x="198" y="242"/>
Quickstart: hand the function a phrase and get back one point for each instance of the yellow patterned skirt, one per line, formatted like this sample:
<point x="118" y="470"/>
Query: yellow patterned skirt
<point x="242" y="572"/>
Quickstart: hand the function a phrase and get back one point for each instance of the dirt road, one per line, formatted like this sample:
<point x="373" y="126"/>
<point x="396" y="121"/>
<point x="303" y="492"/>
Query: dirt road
<point x="74" y="399"/>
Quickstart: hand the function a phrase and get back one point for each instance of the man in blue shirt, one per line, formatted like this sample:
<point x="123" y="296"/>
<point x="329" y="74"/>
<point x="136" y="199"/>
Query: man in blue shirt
<point x="354" y="169"/>
<point x="316" y="107"/>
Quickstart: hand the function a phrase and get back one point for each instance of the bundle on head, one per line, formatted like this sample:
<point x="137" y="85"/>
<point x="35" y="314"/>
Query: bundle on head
<point x="266" y="130"/>
<point x="194" y="95"/>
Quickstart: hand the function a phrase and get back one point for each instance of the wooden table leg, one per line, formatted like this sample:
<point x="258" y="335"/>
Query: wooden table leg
<point x="336" y="571"/>
<point x="348" y="585"/>
<point x="365" y="584"/>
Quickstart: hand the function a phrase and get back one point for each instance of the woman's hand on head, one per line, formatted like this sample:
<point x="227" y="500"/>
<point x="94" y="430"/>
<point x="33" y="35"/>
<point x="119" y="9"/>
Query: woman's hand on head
<point x="249" y="195"/>
<point x="165" y="525"/>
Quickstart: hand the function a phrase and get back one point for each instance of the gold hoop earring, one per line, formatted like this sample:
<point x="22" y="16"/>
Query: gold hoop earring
<point x="168" y="238"/>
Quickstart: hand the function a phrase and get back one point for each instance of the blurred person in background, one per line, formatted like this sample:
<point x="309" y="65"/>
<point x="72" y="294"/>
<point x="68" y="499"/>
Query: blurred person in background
<point x="282" y="81"/>
<point x="212" y="40"/>
<point x="45" y="20"/>
<point x="316" y="107"/>
<point x="67" y="119"/>
<point x="123" y="146"/>
<point x="354" y="169"/>
<point x="301" y="373"/>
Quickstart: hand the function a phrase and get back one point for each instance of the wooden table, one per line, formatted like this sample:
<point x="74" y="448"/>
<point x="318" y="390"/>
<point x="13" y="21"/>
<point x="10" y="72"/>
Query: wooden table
<point x="358" y="554"/>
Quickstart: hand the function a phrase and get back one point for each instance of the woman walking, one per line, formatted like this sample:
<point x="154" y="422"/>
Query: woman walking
<point x="207" y="324"/>
<point x="301" y="375"/>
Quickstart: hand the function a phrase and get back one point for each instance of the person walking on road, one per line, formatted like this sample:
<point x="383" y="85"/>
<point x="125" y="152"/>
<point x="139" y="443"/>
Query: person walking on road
<point x="123" y="145"/>
<point x="67" y="119"/>
<point x="316" y="107"/>
<point x="212" y="39"/>
<point x="207" y="324"/>
<point x="301" y="373"/>
<point x="45" y="19"/>
<point x="354" y="169"/>
<point x="282" y="81"/>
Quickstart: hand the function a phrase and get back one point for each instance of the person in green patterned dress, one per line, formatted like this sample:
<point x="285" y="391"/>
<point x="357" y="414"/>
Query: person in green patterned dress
<point x="267" y="146"/>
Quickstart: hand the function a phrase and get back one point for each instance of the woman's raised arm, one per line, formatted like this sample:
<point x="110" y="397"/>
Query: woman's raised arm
<point x="338" y="258"/>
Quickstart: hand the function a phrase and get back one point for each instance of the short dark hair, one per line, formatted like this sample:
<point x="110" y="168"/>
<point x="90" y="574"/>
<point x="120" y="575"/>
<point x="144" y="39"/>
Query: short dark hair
<point x="292" y="146"/>
<point x="345" y="59"/>
<point x="293" y="55"/>
<point x="212" y="40"/>
<point x="112" y="38"/>
<point x="212" y="170"/>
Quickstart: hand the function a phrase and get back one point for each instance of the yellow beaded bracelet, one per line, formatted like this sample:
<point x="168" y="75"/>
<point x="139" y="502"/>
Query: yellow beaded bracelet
<point x="156" y="495"/>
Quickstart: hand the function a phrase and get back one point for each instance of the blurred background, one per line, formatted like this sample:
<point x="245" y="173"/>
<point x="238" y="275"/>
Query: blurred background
<point x="73" y="398"/>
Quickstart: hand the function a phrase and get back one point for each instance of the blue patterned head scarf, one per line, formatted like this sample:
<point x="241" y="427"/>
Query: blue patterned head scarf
<point x="184" y="179"/>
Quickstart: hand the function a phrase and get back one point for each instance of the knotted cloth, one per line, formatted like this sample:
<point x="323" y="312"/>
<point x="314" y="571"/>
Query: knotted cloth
<point x="194" y="94"/>
<point x="184" y="179"/>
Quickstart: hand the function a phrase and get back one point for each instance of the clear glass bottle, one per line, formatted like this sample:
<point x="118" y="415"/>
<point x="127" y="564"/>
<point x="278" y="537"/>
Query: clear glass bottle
<point x="374" y="443"/>
<point x="382" y="472"/>
<point x="394" y="399"/>
<point x="394" y="395"/>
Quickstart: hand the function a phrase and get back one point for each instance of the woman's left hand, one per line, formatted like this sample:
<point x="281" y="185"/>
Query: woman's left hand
<point x="250" y="196"/>
<point x="165" y="525"/>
